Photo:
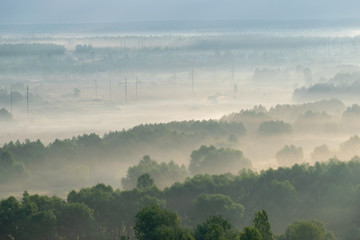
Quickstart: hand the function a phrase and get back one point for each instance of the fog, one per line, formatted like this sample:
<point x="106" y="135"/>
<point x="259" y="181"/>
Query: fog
<point x="199" y="106"/>
<point x="108" y="79"/>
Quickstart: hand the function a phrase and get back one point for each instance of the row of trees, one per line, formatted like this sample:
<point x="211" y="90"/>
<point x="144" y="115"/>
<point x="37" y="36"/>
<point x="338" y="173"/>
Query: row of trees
<point x="326" y="191"/>
<point x="205" y="160"/>
<point x="31" y="49"/>
<point x="43" y="218"/>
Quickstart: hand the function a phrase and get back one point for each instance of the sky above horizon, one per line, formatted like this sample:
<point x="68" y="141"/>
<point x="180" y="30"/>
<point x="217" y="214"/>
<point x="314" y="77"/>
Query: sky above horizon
<point x="100" y="11"/>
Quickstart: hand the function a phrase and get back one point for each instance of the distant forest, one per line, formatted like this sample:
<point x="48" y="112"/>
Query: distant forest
<point x="216" y="195"/>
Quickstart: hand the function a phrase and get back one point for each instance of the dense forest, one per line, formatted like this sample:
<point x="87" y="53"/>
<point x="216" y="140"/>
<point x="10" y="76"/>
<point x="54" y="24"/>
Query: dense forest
<point x="201" y="207"/>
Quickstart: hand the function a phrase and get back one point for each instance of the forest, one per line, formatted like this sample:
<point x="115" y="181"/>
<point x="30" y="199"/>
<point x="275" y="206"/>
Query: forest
<point x="320" y="199"/>
<point x="173" y="151"/>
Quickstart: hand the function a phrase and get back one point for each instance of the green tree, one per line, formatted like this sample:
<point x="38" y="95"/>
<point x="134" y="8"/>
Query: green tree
<point x="98" y="199"/>
<point x="153" y="223"/>
<point x="262" y="224"/>
<point x="144" y="181"/>
<point x="309" y="230"/>
<point x="163" y="173"/>
<point x="10" y="218"/>
<point x="250" y="233"/>
<point x="215" y="227"/>
<point x="75" y="221"/>
<point x="211" y="160"/>
<point x="206" y="205"/>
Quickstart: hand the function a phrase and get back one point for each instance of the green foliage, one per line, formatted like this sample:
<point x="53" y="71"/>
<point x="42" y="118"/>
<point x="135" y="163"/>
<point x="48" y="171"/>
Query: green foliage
<point x="214" y="161"/>
<point x="30" y="153"/>
<point x="206" y="205"/>
<point x="310" y="230"/>
<point x="32" y="218"/>
<point x="163" y="173"/>
<point x="75" y="221"/>
<point x="292" y="111"/>
<point x="250" y="233"/>
<point x="144" y="181"/>
<point x="250" y="118"/>
<point x="98" y="199"/>
<point x="274" y="128"/>
<point x="10" y="218"/>
<point x="10" y="170"/>
<point x="262" y="224"/>
<point x="215" y="227"/>
<point x="328" y="191"/>
<point x="154" y="223"/>
<point x="82" y="159"/>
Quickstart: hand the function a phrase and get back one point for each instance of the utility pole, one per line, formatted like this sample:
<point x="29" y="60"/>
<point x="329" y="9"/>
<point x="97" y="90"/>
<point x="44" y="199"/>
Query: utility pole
<point x="125" y="90"/>
<point x="27" y="100"/>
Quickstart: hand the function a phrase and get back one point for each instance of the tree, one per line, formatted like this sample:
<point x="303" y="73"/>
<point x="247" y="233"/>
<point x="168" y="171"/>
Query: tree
<point x="206" y="205"/>
<point x="250" y="233"/>
<point x="309" y="230"/>
<point x="10" y="217"/>
<point x="321" y="153"/>
<point x="273" y="128"/>
<point x="5" y="115"/>
<point x="75" y="221"/>
<point x="290" y="155"/>
<point x="153" y="223"/>
<point x="262" y="224"/>
<point x="215" y="227"/>
<point x="164" y="174"/>
<point x="97" y="198"/>
<point x="144" y="181"/>
<point x="211" y="160"/>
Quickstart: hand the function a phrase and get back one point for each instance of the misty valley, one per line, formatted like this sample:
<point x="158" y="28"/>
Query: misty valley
<point x="180" y="130"/>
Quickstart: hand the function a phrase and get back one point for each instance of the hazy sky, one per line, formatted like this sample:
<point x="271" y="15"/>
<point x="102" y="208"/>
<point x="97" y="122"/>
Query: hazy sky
<point x="82" y="11"/>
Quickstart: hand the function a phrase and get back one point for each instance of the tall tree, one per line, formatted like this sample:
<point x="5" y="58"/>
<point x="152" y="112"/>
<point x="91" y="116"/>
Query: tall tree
<point x="262" y="224"/>
<point x="153" y="223"/>
<point x="251" y="233"/>
<point x="144" y="181"/>
<point x="215" y="227"/>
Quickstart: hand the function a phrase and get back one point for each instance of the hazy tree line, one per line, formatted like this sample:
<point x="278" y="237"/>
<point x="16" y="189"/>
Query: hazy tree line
<point x="201" y="207"/>
<point x="76" y="160"/>
<point x="164" y="52"/>
<point x="31" y="49"/>
<point x="81" y="159"/>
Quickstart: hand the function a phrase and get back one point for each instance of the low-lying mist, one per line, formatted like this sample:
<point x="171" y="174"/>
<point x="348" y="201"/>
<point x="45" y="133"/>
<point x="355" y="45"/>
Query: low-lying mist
<point x="77" y="109"/>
